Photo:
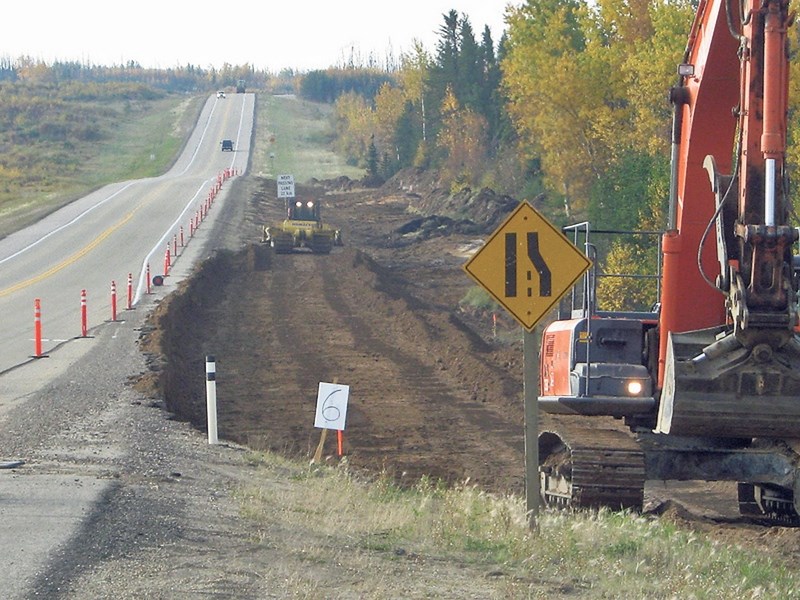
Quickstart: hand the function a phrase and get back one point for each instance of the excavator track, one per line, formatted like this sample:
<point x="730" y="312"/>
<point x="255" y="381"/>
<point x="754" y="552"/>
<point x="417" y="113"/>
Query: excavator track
<point x="771" y="503"/>
<point x="591" y="468"/>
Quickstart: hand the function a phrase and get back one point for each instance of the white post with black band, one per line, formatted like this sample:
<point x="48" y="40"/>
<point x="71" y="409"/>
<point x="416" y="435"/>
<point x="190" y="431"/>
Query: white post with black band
<point x="211" y="399"/>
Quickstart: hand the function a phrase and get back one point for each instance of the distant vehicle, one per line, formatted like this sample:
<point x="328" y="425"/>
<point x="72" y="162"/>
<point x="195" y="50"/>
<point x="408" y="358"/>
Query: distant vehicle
<point x="220" y="94"/>
<point x="227" y="145"/>
<point x="240" y="87"/>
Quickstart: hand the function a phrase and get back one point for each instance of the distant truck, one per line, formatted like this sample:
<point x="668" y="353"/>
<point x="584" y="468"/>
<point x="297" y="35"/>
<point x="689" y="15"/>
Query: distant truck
<point x="227" y="145"/>
<point x="240" y="87"/>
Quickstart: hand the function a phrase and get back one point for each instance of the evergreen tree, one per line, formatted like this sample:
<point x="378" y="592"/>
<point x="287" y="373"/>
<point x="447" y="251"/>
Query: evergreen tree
<point x="470" y="79"/>
<point x="372" y="159"/>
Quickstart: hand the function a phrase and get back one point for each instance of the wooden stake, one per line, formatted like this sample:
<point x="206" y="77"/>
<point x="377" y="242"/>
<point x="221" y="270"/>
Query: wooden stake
<point x="318" y="454"/>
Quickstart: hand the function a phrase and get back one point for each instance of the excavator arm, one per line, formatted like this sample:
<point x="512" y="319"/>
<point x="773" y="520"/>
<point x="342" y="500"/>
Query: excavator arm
<point x="729" y="356"/>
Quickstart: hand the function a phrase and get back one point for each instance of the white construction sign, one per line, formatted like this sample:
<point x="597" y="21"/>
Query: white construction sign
<point x="285" y="186"/>
<point x="331" y="406"/>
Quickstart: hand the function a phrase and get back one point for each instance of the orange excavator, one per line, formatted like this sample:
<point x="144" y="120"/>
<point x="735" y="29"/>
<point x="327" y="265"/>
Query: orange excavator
<point x="705" y="383"/>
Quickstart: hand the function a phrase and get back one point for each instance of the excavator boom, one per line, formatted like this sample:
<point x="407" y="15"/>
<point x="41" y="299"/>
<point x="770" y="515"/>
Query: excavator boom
<point x="734" y="376"/>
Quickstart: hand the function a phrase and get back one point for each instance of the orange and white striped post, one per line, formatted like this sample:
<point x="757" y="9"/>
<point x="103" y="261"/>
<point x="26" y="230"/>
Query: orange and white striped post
<point x="147" y="275"/>
<point x="84" y="315"/>
<point x="37" y="328"/>
<point x="182" y="244"/>
<point x="113" y="300"/>
<point x="175" y="245"/>
<point x="167" y="262"/>
<point x="130" y="291"/>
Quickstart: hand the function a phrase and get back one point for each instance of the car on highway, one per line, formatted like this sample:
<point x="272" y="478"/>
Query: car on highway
<point x="220" y="94"/>
<point x="227" y="145"/>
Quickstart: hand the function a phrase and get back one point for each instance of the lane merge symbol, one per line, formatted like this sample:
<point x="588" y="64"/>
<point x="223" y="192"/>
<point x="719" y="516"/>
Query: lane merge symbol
<point x="527" y="265"/>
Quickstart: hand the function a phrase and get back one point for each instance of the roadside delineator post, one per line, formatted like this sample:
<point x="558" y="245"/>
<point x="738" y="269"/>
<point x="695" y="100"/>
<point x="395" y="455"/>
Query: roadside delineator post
<point x="211" y="399"/>
<point x="167" y="262"/>
<point x="147" y="275"/>
<point x="182" y="244"/>
<point x="37" y="328"/>
<point x="130" y="291"/>
<point x="84" y="315"/>
<point x="113" y="300"/>
<point x="175" y="245"/>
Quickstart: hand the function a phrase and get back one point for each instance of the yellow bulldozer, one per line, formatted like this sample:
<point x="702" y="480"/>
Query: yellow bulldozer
<point x="302" y="228"/>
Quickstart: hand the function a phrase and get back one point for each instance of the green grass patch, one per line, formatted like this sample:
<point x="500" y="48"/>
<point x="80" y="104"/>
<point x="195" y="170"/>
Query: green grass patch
<point x="295" y="137"/>
<point x="478" y="298"/>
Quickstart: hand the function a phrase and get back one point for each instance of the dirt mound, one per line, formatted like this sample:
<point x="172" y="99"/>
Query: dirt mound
<point x="483" y="208"/>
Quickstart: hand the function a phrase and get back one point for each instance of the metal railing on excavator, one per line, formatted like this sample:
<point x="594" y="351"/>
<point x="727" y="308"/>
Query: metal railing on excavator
<point x="639" y="291"/>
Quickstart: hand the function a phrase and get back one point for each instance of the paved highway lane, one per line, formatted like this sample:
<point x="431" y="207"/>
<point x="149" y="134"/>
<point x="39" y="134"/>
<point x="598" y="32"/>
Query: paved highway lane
<point x="70" y="417"/>
<point x="111" y="233"/>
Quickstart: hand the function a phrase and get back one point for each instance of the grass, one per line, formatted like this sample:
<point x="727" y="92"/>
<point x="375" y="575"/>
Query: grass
<point x="148" y="144"/>
<point x="144" y="142"/>
<point x="481" y="546"/>
<point x="294" y="137"/>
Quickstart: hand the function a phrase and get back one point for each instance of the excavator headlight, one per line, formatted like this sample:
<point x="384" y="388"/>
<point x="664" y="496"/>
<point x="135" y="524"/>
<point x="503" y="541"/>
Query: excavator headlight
<point x="298" y="204"/>
<point x="634" y="387"/>
<point x="310" y="204"/>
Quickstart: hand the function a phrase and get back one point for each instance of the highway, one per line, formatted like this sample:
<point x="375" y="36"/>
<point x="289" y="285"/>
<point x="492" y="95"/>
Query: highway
<point x="109" y="234"/>
<point x="71" y="428"/>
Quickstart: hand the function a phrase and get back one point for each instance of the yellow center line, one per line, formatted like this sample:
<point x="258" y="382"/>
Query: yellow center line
<point x="68" y="261"/>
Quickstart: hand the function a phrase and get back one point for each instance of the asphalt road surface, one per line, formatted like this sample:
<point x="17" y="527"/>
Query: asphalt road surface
<point x="103" y="237"/>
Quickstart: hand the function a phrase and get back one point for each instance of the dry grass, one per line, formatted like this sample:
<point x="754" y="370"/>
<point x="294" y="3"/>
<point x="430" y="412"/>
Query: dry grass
<point x="437" y="541"/>
<point x="141" y="144"/>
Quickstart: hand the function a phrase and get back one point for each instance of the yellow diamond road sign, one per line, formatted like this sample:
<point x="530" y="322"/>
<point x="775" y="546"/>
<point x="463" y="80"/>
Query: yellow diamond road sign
<point x="527" y="265"/>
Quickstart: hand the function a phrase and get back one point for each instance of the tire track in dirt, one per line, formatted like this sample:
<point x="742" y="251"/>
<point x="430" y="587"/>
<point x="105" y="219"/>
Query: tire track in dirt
<point x="439" y="427"/>
<point x="428" y="396"/>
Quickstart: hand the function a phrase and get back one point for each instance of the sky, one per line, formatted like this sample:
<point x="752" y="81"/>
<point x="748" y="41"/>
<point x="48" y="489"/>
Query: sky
<point x="298" y="34"/>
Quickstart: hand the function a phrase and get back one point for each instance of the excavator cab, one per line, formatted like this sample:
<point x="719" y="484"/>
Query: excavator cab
<point x="596" y="358"/>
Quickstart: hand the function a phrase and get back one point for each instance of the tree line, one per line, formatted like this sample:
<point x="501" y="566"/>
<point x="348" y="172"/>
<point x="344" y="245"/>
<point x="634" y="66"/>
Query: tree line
<point x="569" y="107"/>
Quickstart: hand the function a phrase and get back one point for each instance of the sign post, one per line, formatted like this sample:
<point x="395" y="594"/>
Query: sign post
<point x="527" y="265"/>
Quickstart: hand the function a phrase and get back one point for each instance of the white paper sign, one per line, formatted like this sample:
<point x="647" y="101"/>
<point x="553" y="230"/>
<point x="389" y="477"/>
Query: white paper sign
<point x="331" y="406"/>
<point x="285" y="186"/>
